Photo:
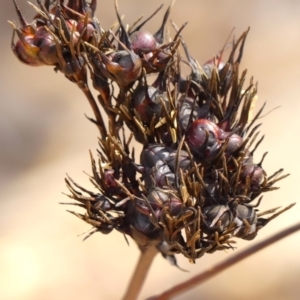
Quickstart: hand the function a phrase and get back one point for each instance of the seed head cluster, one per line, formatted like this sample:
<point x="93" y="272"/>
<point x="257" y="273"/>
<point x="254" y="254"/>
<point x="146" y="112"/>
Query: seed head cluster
<point x="195" y="185"/>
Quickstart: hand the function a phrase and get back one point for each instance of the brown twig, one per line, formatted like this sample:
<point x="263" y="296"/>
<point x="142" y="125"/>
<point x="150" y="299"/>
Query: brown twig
<point x="99" y="119"/>
<point x="218" y="268"/>
<point x="140" y="273"/>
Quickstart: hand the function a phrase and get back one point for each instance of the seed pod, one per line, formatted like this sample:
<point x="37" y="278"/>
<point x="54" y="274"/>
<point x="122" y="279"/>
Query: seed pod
<point x="123" y="67"/>
<point x="102" y="203"/>
<point x="203" y="138"/>
<point x="217" y="218"/>
<point x="153" y="154"/>
<point x="159" y="198"/>
<point x="234" y="142"/>
<point x="187" y="106"/>
<point x="35" y="47"/>
<point x="246" y="220"/>
<point x="86" y="30"/>
<point x="256" y="174"/>
<point x="153" y="158"/>
<point x="213" y="63"/>
<point x="183" y="160"/>
<point x="157" y="60"/>
<point x="147" y="102"/>
<point x="109" y="185"/>
<point x="160" y="175"/>
<point x="140" y="227"/>
<point x="142" y="42"/>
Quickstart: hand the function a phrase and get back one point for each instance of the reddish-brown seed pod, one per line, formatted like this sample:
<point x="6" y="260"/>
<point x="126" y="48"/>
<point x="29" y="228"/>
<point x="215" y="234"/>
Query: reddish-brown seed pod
<point x="156" y="61"/>
<point x="123" y="67"/>
<point x="27" y="52"/>
<point x="142" y="42"/>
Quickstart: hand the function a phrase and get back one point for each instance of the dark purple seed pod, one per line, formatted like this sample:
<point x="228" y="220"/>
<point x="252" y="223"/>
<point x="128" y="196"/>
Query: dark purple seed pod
<point x="154" y="154"/>
<point x="159" y="198"/>
<point x="154" y="159"/>
<point x="160" y="175"/>
<point x="142" y="42"/>
<point x="203" y="138"/>
<point x="188" y="106"/>
<point x="234" y="142"/>
<point x="102" y="203"/>
<point x="255" y="173"/>
<point x="147" y="102"/>
<point x="184" y="161"/>
<point x="86" y="30"/>
<point x="141" y="228"/>
<point x="211" y="64"/>
<point x="246" y="221"/>
<point x="217" y="218"/>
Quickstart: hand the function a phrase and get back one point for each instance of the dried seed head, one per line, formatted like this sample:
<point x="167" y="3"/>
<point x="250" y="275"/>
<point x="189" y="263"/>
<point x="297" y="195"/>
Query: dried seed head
<point x="193" y="189"/>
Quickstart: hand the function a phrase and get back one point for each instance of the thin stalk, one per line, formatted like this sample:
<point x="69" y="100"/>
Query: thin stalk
<point x="218" y="268"/>
<point x="140" y="273"/>
<point x="81" y="81"/>
<point x="95" y="108"/>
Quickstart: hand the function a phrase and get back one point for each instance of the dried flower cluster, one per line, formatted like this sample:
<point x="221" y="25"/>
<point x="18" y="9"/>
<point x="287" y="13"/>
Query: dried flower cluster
<point x="194" y="187"/>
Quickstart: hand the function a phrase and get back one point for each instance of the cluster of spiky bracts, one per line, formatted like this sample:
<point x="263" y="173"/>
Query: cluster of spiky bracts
<point x="196" y="185"/>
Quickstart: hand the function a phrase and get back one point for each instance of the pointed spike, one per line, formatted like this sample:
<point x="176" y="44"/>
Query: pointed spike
<point x="149" y="18"/>
<point x="159" y="35"/>
<point x="124" y="37"/>
<point x="21" y="18"/>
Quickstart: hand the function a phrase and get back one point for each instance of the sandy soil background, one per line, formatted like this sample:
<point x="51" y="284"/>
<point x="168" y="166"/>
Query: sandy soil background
<point x="44" y="135"/>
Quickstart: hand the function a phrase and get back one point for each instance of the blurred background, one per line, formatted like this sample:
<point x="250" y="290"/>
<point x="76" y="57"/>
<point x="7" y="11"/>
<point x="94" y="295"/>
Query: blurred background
<point x="44" y="135"/>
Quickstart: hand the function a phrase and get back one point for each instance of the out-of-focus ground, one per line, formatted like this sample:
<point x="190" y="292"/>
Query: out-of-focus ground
<point x="44" y="135"/>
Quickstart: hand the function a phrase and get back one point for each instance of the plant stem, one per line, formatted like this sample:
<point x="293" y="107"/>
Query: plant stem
<point x="218" y="268"/>
<point x="95" y="108"/>
<point x="137" y="280"/>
